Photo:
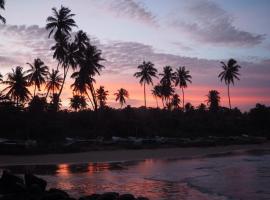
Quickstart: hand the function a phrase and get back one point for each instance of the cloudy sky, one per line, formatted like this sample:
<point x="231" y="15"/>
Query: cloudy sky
<point x="197" y="34"/>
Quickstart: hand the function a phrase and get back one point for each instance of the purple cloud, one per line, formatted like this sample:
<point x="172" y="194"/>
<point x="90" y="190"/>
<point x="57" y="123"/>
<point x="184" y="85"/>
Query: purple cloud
<point x="208" y="23"/>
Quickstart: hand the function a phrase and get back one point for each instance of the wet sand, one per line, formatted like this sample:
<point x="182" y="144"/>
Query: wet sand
<point x="125" y="155"/>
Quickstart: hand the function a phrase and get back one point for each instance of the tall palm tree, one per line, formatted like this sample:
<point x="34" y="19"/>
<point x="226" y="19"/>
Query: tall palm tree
<point x="121" y="96"/>
<point x="229" y="73"/>
<point x="182" y="76"/>
<point x="78" y="102"/>
<point x="147" y="71"/>
<point x="38" y="73"/>
<point x="213" y="100"/>
<point x="102" y="96"/>
<point x="60" y="23"/>
<point x="17" y="86"/>
<point x="54" y="82"/>
<point x="89" y="62"/>
<point x="2" y="6"/>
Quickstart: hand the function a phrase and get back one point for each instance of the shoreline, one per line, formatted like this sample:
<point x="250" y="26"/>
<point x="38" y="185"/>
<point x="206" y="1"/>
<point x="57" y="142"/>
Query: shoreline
<point x="126" y="155"/>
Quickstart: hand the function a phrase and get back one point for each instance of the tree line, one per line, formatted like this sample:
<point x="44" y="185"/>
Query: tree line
<point x="84" y="59"/>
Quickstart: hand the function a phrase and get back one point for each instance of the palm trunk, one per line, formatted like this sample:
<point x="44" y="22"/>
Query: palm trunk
<point x="35" y="90"/>
<point x="144" y="95"/>
<point x="183" y="96"/>
<point x="62" y="86"/>
<point x="92" y="90"/>
<point x="162" y="99"/>
<point x="90" y="100"/>
<point x="156" y="101"/>
<point x="228" y="87"/>
<point x="47" y="94"/>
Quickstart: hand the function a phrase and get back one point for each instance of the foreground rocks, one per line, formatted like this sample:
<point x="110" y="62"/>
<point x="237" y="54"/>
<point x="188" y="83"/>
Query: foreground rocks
<point x="33" y="188"/>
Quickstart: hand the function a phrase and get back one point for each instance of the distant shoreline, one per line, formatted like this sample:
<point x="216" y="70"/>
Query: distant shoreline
<point x="127" y="155"/>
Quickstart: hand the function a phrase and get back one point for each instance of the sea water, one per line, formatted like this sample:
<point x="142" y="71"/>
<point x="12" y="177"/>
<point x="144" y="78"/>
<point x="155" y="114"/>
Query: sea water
<point x="241" y="176"/>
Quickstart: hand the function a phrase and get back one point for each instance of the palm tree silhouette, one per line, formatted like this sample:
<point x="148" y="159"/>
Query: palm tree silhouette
<point x="89" y="63"/>
<point x="60" y="23"/>
<point x="102" y="96"/>
<point x="166" y="92"/>
<point x="147" y="71"/>
<point x="213" y="100"/>
<point x="2" y="6"/>
<point x="78" y="102"/>
<point x="181" y="78"/>
<point x="121" y="96"/>
<point x="229" y="73"/>
<point x="54" y="82"/>
<point x="175" y="101"/>
<point x="157" y="93"/>
<point x="55" y="103"/>
<point x="167" y="75"/>
<point x="17" y="86"/>
<point x="38" y="73"/>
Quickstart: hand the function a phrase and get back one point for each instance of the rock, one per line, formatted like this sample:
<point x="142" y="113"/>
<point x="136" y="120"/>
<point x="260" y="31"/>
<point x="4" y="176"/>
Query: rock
<point x="11" y="184"/>
<point x="30" y="180"/>
<point x="109" y="196"/>
<point x="55" y="194"/>
<point x="142" y="198"/>
<point x="90" y="197"/>
<point x="126" y="197"/>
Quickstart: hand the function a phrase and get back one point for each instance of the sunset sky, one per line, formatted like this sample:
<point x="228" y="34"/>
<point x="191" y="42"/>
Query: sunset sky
<point x="197" y="34"/>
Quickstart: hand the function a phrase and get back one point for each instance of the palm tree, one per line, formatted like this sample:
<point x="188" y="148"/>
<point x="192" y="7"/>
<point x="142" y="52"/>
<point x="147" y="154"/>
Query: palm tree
<point x="229" y="73"/>
<point x="157" y="93"/>
<point x="182" y="76"/>
<point x="82" y="83"/>
<point x="175" y="101"/>
<point x="89" y="63"/>
<point x="121" y="96"/>
<point x="60" y="23"/>
<point x="166" y="93"/>
<point x="102" y="96"/>
<point x="17" y="86"/>
<point x="213" y="100"/>
<point x="167" y="75"/>
<point x="54" y="82"/>
<point x="147" y="71"/>
<point x="1" y="78"/>
<point x="55" y="103"/>
<point x="78" y="102"/>
<point x="2" y="6"/>
<point x="37" y="74"/>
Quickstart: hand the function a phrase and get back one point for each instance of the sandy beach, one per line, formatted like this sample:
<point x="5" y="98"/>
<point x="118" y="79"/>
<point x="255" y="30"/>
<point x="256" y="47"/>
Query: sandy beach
<point x="125" y="155"/>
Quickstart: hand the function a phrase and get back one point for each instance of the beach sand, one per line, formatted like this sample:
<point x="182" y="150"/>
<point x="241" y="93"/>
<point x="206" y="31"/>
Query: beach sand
<point x="125" y="155"/>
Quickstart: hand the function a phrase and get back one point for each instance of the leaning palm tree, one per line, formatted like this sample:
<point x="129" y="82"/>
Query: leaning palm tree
<point x="60" y="23"/>
<point x="17" y="86"/>
<point x="121" y="96"/>
<point x="213" y="100"/>
<point x="54" y="82"/>
<point x="2" y="6"/>
<point x="38" y="73"/>
<point x="78" y="102"/>
<point x="147" y="71"/>
<point x="229" y="73"/>
<point x="102" y="96"/>
<point x="181" y="78"/>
